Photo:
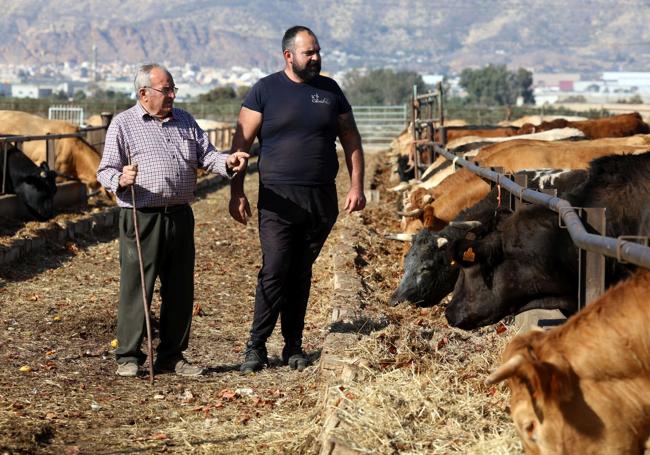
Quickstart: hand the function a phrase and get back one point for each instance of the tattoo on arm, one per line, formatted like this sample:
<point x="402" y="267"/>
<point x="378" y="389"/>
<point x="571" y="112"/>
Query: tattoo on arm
<point x="346" y="124"/>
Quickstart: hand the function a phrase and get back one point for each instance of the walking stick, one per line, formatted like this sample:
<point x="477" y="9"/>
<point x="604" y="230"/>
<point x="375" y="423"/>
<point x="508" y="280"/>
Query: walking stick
<point x="144" y="289"/>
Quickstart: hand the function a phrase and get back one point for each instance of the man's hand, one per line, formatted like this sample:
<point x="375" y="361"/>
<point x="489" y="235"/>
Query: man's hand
<point x="355" y="200"/>
<point x="237" y="161"/>
<point x="240" y="209"/>
<point x="129" y="173"/>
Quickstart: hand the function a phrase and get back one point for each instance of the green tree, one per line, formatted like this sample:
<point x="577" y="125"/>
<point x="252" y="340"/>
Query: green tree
<point x="496" y="85"/>
<point x="59" y="96"/>
<point x="218" y="94"/>
<point x="382" y="86"/>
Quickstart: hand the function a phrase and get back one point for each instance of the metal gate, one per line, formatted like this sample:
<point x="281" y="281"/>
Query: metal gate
<point x="70" y="114"/>
<point x="379" y="125"/>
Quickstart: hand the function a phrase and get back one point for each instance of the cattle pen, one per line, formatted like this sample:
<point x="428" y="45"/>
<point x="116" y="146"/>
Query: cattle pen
<point x="385" y="379"/>
<point x="593" y="247"/>
<point x="61" y="395"/>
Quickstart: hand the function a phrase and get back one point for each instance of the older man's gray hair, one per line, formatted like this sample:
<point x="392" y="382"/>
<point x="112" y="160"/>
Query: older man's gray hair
<point x="143" y="77"/>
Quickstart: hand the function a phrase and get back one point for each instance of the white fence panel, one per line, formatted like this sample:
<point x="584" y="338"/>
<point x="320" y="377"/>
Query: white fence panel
<point x="70" y="114"/>
<point x="379" y="125"/>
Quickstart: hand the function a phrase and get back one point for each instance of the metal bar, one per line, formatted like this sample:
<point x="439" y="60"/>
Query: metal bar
<point x="416" y="152"/>
<point x="4" y="167"/>
<point x="592" y="265"/>
<point x="441" y="113"/>
<point x="91" y="128"/>
<point x="38" y="138"/>
<point x="514" y="200"/>
<point x="629" y="251"/>
<point x="50" y="153"/>
<point x="427" y="96"/>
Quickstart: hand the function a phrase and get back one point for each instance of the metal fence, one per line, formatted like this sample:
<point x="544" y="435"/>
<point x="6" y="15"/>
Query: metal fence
<point x="70" y="114"/>
<point x="592" y="247"/>
<point x="379" y="125"/>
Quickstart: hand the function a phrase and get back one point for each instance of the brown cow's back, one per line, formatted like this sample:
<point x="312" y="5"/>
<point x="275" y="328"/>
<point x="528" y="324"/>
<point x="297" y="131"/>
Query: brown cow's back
<point x="464" y="189"/>
<point x="616" y="126"/>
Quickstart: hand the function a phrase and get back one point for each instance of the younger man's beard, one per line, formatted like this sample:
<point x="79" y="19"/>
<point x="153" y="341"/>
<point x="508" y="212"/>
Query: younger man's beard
<point x="309" y="72"/>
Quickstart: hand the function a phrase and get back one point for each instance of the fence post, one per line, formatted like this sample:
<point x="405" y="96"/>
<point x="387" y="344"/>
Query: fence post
<point x="50" y="153"/>
<point x="106" y="118"/>
<point x="4" y="167"/>
<point x="591" y="266"/>
<point x="416" y="136"/>
<point x="441" y="115"/>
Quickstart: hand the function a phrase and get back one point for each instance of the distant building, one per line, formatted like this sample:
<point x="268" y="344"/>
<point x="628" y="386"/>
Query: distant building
<point x="553" y="79"/>
<point x="31" y="91"/>
<point x="566" y="86"/>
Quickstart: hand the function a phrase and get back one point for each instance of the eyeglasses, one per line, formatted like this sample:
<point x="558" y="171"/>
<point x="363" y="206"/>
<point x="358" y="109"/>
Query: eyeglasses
<point x="165" y="91"/>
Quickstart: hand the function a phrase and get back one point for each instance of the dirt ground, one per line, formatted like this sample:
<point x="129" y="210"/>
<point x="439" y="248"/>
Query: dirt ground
<point x="58" y="389"/>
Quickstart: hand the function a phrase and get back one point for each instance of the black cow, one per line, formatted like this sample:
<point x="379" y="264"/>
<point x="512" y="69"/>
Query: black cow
<point x="34" y="185"/>
<point x="428" y="272"/>
<point x="529" y="261"/>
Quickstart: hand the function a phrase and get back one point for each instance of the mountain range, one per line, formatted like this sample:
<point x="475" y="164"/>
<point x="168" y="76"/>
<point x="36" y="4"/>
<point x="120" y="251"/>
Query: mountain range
<point x="427" y="36"/>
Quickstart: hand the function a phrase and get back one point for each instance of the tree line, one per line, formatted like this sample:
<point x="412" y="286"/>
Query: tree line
<point x="493" y="85"/>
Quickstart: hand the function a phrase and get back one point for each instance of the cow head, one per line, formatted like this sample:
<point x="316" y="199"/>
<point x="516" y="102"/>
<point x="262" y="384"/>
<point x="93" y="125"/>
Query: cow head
<point x="526" y="262"/>
<point x="547" y="404"/>
<point x="37" y="192"/>
<point x="429" y="275"/>
<point x="78" y="159"/>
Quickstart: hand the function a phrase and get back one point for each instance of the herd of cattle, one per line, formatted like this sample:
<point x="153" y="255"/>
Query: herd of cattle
<point x="583" y="387"/>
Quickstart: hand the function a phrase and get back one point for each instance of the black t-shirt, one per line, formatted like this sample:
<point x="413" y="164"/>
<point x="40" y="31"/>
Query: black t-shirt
<point x="299" y="128"/>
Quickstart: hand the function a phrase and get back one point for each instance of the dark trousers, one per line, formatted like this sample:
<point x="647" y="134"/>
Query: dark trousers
<point x="294" y="222"/>
<point x="167" y="241"/>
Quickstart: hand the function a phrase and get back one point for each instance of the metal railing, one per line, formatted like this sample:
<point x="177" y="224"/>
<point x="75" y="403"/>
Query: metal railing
<point x="427" y="115"/>
<point x="378" y="125"/>
<point x="70" y="114"/>
<point x="619" y="248"/>
<point x="95" y="136"/>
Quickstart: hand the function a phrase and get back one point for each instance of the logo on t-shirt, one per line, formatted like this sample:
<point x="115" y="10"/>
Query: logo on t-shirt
<point x="317" y="99"/>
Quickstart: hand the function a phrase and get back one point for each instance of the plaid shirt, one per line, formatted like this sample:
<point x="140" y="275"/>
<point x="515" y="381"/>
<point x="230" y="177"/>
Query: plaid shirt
<point x="167" y="153"/>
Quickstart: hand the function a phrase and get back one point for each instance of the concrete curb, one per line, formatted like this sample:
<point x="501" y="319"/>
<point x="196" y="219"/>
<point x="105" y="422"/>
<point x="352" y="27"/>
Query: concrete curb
<point x="337" y="367"/>
<point x="68" y="230"/>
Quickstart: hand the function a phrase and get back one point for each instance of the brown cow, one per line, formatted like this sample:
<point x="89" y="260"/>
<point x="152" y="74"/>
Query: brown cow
<point x="463" y="189"/>
<point x="74" y="157"/>
<point x="616" y="126"/>
<point x="584" y="387"/>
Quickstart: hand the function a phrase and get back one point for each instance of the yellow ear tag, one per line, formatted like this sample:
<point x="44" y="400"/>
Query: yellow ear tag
<point x="469" y="255"/>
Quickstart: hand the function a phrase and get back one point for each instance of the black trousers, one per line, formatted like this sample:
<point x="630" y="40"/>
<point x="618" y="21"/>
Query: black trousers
<point x="294" y="222"/>
<point x="167" y="241"/>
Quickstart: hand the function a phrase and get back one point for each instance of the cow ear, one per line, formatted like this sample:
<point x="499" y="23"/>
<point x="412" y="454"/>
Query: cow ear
<point x="558" y="379"/>
<point x="468" y="252"/>
<point x="462" y="252"/>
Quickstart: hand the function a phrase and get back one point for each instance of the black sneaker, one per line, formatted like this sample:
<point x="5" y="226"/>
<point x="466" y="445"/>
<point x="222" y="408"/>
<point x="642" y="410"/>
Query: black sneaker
<point x="294" y="357"/>
<point x="254" y="359"/>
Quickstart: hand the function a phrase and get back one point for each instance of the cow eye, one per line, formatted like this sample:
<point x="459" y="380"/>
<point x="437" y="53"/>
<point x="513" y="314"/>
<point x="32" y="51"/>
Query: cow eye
<point x="43" y="174"/>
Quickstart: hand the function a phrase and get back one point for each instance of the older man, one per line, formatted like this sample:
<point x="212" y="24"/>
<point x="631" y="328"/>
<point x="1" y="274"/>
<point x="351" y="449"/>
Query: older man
<point x="158" y="148"/>
<point x="297" y="115"/>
